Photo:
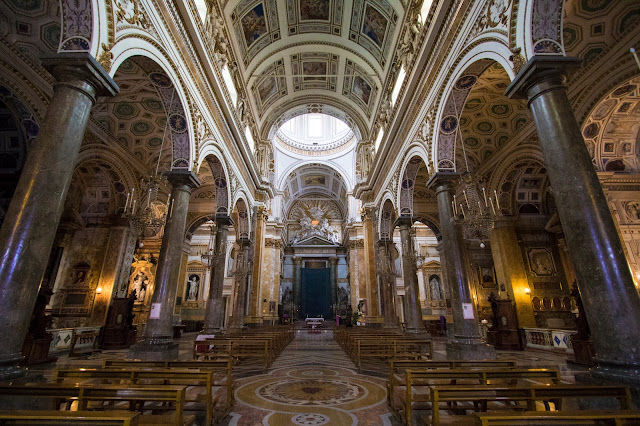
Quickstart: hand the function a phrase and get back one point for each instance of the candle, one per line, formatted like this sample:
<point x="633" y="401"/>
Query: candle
<point x="464" y="216"/>
<point x="484" y="193"/>
<point x="171" y="212"/>
<point x="133" y="209"/>
<point x="126" y="203"/>
<point x="492" y="209"/>
<point x="497" y="204"/>
<point x="466" y="199"/>
<point x="453" y="208"/>
<point x="635" y="56"/>
<point x="480" y="207"/>
<point x="168" y="198"/>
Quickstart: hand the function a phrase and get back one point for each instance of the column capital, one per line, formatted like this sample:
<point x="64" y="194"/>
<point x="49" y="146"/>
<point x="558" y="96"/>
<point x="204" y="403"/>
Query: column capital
<point x="384" y="242"/>
<point x="540" y="69"/>
<point x="244" y="243"/>
<point x="182" y="178"/>
<point x="440" y="181"/>
<point x="404" y="221"/>
<point x="68" y="68"/>
<point x="504" y="222"/>
<point x="333" y="260"/>
<point x="223" y="220"/>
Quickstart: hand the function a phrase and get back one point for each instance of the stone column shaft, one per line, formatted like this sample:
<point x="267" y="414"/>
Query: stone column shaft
<point x="255" y="317"/>
<point x="214" y="314"/>
<point x="242" y="273"/>
<point x="158" y="343"/>
<point x="373" y="310"/>
<point x="388" y="284"/>
<point x="611" y="301"/>
<point x="412" y="310"/>
<point x="466" y="342"/>
<point x="297" y="273"/>
<point x="30" y="225"/>
<point x="333" y="263"/>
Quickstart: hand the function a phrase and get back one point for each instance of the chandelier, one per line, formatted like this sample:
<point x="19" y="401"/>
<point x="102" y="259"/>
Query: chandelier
<point x="208" y="256"/>
<point x="148" y="220"/>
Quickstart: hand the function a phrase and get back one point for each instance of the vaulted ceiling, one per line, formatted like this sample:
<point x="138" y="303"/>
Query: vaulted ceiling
<point x="300" y="54"/>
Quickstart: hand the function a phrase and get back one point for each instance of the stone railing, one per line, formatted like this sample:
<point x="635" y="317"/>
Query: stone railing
<point x="549" y="339"/>
<point x="63" y="338"/>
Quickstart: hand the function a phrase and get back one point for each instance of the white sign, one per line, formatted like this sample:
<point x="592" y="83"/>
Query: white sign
<point x="467" y="311"/>
<point x="155" y="311"/>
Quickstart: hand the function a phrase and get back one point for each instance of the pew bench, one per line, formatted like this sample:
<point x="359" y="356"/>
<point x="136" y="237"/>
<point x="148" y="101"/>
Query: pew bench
<point x="54" y="418"/>
<point x="221" y="368"/>
<point x="557" y="418"/>
<point x="192" y="379"/>
<point x="479" y="396"/>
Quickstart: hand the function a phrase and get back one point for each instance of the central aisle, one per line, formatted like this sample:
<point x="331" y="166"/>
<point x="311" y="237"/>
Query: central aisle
<point x="312" y="382"/>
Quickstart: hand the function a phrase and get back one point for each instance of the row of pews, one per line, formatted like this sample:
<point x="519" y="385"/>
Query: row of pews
<point x="484" y="393"/>
<point x="137" y="392"/>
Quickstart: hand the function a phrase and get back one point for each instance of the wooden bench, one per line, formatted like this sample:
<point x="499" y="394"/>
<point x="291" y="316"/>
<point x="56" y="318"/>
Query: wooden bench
<point x="398" y="367"/>
<point x="164" y="398"/>
<point x="480" y="395"/>
<point x="390" y="348"/>
<point x="237" y="348"/>
<point x="223" y="367"/>
<point x="53" y="418"/>
<point x="426" y="378"/>
<point x="187" y="377"/>
<point x="557" y="418"/>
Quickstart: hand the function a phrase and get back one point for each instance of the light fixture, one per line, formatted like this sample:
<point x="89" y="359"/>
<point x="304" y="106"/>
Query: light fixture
<point x="527" y="290"/>
<point x="482" y="245"/>
<point x="208" y="257"/>
<point x="98" y="290"/>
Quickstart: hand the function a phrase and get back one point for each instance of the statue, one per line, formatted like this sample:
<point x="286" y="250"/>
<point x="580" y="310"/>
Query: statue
<point x="434" y="287"/>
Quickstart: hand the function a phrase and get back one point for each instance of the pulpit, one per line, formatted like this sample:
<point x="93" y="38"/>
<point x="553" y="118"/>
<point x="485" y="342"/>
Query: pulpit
<point x="119" y="331"/>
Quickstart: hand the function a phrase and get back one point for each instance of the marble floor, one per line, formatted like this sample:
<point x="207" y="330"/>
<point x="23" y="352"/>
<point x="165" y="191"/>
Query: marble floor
<point x="312" y="382"/>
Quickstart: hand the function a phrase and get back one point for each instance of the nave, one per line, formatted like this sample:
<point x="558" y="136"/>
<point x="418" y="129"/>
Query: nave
<point x="313" y="377"/>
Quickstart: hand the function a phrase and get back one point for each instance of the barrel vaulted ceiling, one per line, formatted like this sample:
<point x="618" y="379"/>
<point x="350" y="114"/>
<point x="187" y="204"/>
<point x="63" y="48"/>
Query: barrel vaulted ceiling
<point x="298" y="56"/>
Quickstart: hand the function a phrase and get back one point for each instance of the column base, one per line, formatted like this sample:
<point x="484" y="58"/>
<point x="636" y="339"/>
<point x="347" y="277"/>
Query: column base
<point x="148" y="351"/>
<point x="601" y="378"/>
<point x="418" y="334"/>
<point x="458" y="350"/>
<point x="11" y="369"/>
<point x="620" y="373"/>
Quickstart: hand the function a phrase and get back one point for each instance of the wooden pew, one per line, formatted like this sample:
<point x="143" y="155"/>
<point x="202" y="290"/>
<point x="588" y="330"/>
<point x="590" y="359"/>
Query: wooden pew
<point x="165" y="398"/>
<point x="237" y="348"/>
<point x="417" y="378"/>
<point x="219" y="368"/>
<point x="53" y="418"/>
<point x="398" y="367"/>
<point x="557" y="418"/>
<point x="480" y="395"/>
<point x="190" y="378"/>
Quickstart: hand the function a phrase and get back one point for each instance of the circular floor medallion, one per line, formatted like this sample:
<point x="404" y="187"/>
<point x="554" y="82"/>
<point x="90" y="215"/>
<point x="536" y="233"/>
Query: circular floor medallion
<point x="312" y="392"/>
<point x="310" y="419"/>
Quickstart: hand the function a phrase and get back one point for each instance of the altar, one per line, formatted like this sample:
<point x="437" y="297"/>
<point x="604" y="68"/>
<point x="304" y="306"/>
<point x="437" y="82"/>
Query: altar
<point x="313" y="324"/>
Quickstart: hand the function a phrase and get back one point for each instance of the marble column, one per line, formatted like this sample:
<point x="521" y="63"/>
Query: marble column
<point x="157" y="343"/>
<point x="412" y="309"/>
<point x="388" y="282"/>
<point x="611" y="300"/>
<point x="510" y="269"/>
<point x="214" y="313"/>
<point x="297" y="273"/>
<point x="29" y="227"/>
<point x="466" y="342"/>
<point x="373" y="311"/>
<point x="333" y="264"/>
<point x="242" y="273"/>
<point x="255" y="317"/>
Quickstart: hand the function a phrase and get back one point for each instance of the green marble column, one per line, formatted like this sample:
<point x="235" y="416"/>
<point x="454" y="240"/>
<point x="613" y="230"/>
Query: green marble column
<point x="30" y="225"/>
<point x="333" y="264"/>
<point x="158" y="343"/>
<point x="611" y="301"/>
<point x="412" y="309"/>
<point x="214" y="313"/>
<point x="387" y="282"/>
<point x="297" y="272"/>
<point x="466" y="342"/>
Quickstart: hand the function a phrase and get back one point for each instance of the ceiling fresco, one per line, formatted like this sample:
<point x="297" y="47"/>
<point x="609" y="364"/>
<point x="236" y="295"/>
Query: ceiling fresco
<point x="314" y="179"/>
<point x="322" y="49"/>
<point x="612" y="131"/>
<point x="590" y="27"/>
<point x="489" y="119"/>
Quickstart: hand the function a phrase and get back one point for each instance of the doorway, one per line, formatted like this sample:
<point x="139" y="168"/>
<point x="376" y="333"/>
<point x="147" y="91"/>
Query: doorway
<point x="315" y="292"/>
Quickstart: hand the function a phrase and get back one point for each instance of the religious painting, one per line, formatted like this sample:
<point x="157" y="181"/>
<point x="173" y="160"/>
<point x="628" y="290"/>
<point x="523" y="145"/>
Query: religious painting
<point x="374" y="25"/>
<point x="314" y="10"/>
<point x="487" y="277"/>
<point x="540" y="261"/>
<point x="361" y="89"/>
<point x="267" y="88"/>
<point x="192" y="288"/>
<point x="448" y="124"/>
<point x="311" y="180"/>
<point x="626" y="148"/>
<point x="254" y="24"/>
<point x="609" y="147"/>
<point x="311" y="69"/>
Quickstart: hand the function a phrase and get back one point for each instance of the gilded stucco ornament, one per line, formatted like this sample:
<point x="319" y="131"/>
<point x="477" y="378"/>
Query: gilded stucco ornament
<point x="131" y="12"/>
<point x="105" y="57"/>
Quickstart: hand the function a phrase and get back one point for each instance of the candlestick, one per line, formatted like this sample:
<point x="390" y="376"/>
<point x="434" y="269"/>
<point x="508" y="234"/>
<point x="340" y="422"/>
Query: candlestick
<point x="133" y="209"/>
<point x="453" y="208"/>
<point x="171" y="212"/>
<point x="484" y="193"/>
<point x="635" y="55"/>
<point x="126" y="203"/>
<point x="492" y="209"/>
<point x="466" y="199"/>
<point x="497" y="203"/>
<point x="464" y="216"/>
<point x="168" y="198"/>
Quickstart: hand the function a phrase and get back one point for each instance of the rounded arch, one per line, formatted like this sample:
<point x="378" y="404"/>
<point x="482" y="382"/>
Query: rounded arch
<point x="180" y="119"/>
<point x="241" y="217"/>
<point x="415" y="154"/>
<point x="221" y="185"/>
<point x="432" y="222"/>
<point x="470" y="66"/>
<point x="386" y="218"/>
<point x="284" y="175"/>
<point x="197" y="221"/>
<point x="107" y="156"/>
<point x="539" y="27"/>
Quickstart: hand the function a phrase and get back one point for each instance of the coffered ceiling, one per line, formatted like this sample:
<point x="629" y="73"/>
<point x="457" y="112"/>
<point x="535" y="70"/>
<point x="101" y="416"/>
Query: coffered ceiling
<point x="333" y="53"/>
